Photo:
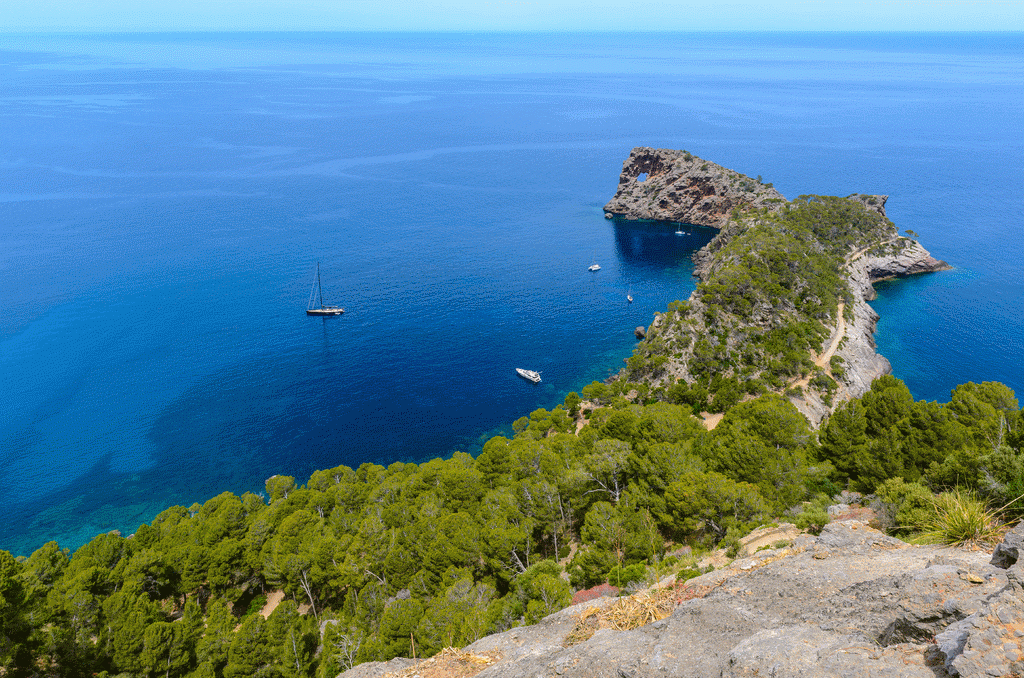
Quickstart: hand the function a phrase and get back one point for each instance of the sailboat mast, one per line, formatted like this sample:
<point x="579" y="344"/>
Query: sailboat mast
<point x="312" y="296"/>
<point x="318" y="287"/>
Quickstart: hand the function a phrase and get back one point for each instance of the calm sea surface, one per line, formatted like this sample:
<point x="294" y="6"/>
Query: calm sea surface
<point x="164" y="200"/>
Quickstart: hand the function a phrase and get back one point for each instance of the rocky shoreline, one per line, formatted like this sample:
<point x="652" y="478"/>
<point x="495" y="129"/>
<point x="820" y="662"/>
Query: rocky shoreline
<point x="676" y="186"/>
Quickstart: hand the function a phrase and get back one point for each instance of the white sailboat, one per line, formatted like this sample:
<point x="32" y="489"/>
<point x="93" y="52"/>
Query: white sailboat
<point x="594" y="266"/>
<point x="317" y="294"/>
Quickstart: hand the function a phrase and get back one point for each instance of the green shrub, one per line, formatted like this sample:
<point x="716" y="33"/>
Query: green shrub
<point x="731" y="542"/>
<point x="905" y="507"/>
<point x="255" y="605"/>
<point x="687" y="573"/>
<point x="589" y="567"/>
<point x="622" y="577"/>
<point x="812" y="520"/>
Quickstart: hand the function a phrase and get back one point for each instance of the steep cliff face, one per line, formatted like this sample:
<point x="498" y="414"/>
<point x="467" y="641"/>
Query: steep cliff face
<point x="780" y="278"/>
<point x="667" y="185"/>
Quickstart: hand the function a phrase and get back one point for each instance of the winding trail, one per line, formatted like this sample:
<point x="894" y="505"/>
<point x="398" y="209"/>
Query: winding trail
<point x="826" y="357"/>
<point x="824" y="360"/>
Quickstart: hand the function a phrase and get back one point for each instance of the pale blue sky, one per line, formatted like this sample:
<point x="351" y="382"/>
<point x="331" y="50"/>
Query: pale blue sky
<point x="475" y="15"/>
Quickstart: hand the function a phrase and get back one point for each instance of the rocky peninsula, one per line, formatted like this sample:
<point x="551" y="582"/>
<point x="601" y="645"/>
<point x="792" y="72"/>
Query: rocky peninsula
<point x="780" y="307"/>
<point x="780" y="278"/>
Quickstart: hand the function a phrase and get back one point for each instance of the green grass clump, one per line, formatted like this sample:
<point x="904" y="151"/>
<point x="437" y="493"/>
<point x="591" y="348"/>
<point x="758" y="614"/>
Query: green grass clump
<point x="961" y="519"/>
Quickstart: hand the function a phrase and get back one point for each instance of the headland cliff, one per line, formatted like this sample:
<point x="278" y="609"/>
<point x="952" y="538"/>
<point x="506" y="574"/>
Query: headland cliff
<point x="781" y="303"/>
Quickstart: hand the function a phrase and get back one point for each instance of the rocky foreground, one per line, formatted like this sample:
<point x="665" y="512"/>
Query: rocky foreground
<point x="851" y="602"/>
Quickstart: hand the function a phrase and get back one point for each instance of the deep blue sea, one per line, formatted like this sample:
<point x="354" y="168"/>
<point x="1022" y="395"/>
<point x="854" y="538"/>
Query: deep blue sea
<point x="165" y="198"/>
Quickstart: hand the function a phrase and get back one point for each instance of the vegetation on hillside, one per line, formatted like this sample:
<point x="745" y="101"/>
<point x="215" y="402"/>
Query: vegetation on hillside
<point x="768" y="300"/>
<point x="379" y="562"/>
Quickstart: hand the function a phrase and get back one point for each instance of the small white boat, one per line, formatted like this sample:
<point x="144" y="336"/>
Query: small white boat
<point x="528" y="374"/>
<point x="629" y="295"/>
<point x="593" y="267"/>
<point x="679" y="232"/>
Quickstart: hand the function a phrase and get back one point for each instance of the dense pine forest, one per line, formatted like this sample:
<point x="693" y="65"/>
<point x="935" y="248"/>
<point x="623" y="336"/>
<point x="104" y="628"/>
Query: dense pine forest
<point x="379" y="562"/>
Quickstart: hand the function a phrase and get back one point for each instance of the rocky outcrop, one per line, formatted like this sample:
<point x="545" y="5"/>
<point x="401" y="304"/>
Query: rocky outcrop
<point x="851" y="602"/>
<point x="677" y="186"/>
<point x="988" y="642"/>
<point x="667" y="185"/>
<point x="1009" y="551"/>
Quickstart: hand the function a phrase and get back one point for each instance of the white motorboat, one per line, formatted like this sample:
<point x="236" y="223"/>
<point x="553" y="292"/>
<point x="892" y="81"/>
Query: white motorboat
<point x="528" y="374"/>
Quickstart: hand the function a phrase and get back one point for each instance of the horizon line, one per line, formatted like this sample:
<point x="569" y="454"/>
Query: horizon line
<point x="108" y="31"/>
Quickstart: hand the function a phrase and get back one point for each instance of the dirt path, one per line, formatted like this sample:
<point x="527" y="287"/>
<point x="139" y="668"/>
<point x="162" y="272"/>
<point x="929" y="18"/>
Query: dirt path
<point x="711" y="420"/>
<point x="274" y="599"/>
<point x="855" y="255"/>
<point x="826" y="357"/>
<point x="824" y="360"/>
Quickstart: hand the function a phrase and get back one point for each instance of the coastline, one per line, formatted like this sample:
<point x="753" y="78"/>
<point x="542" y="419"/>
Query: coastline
<point x="677" y="187"/>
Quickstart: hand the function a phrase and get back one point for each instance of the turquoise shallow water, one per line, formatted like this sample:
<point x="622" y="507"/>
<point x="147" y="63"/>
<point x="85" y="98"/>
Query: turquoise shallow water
<point x="165" y="199"/>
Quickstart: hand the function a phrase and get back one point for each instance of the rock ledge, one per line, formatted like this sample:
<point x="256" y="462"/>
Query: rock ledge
<point x="851" y="602"/>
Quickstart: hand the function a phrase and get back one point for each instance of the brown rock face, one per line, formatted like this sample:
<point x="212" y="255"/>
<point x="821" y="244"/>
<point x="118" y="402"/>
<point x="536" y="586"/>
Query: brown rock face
<point x="668" y="185"/>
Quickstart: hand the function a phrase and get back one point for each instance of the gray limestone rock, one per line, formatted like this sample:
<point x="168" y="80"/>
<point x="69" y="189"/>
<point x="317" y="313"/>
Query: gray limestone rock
<point x="869" y="609"/>
<point x="1007" y="552"/>
<point x="669" y="185"/>
<point x="379" y="669"/>
<point x="805" y="651"/>
<point x="988" y="642"/>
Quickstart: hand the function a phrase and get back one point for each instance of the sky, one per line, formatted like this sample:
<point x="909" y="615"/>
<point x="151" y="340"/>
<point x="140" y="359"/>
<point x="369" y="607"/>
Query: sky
<point x="510" y="15"/>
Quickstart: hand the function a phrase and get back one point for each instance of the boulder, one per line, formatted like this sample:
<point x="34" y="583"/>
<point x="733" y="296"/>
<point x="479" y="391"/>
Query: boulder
<point x="1007" y="552"/>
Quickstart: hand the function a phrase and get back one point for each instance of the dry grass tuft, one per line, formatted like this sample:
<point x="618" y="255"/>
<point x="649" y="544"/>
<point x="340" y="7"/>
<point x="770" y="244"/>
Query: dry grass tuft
<point x="641" y="609"/>
<point x="449" y="663"/>
<point x="586" y="624"/>
<point x="632" y="612"/>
